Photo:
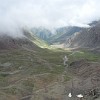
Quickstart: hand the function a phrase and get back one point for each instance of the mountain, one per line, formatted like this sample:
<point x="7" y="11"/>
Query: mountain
<point x="42" y="33"/>
<point x="30" y="72"/>
<point x="93" y="23"/>
<point x="89" y="37"/>
<point x="63" y="33"/>
<point x="7" y="42"/>
<point x="35" y="39"/>
<point x="29" y="40"/>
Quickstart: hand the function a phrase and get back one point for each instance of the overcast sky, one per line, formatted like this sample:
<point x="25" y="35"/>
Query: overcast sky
<point x="47" y="13"/>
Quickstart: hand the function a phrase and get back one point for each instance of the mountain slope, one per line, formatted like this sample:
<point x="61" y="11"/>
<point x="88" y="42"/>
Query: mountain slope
<point x="7" y="42"/>
<point x="63" y="33"/>
<point x="35" y="39"/>
<point x="42" y="33"/>
<point x="29" y="40"/>
<point x="89" y="37"/>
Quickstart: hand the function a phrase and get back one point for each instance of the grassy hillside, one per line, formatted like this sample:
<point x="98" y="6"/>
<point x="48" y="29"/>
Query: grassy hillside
<point x="36" y="40"/>
<point x="19" y="67"/>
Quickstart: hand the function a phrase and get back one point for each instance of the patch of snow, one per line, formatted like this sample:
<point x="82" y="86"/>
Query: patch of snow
<point x="70" y="95"/>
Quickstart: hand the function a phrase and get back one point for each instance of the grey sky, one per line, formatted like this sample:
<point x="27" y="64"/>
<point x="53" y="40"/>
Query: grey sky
<point x="47" y="13"/>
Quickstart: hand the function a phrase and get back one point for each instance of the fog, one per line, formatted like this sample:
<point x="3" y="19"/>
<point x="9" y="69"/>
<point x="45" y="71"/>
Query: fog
<point x="16" y="14"/>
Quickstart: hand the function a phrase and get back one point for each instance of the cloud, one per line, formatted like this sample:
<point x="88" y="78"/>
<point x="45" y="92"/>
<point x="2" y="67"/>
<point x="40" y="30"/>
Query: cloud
<point x="15" y="14"/>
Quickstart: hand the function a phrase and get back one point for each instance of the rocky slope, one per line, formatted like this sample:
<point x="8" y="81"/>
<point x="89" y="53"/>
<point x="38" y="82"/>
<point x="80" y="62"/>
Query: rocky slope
<point x="29" y="40"/>
<point x="87" y="38"/>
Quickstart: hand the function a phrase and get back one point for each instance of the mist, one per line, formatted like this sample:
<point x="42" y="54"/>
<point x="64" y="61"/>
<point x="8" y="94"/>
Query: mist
<point x="16" y="14"/>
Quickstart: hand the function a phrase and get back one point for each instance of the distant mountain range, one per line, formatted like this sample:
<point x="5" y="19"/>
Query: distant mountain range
<point x="42" y="33"/>
<point x="60" y="34"/>
<point x="63" y="33"/>
<point x="72" y="36"/>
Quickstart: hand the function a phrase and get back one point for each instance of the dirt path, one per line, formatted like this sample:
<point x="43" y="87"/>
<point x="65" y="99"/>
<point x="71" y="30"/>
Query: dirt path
<point x="11" y="73"/>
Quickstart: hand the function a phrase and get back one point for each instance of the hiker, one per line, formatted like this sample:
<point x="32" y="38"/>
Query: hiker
<point x="65" y="60"/>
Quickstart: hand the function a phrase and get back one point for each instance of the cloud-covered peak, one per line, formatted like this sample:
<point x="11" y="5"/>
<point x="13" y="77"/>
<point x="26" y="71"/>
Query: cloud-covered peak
<point x="47" y="13"/>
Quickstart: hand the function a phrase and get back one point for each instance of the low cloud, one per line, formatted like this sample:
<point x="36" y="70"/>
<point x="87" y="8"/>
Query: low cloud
<point x="15" y="14"/>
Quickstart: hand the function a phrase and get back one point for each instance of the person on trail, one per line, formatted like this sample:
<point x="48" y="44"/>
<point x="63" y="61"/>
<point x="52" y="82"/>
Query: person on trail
<point x="65" y="60"/>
